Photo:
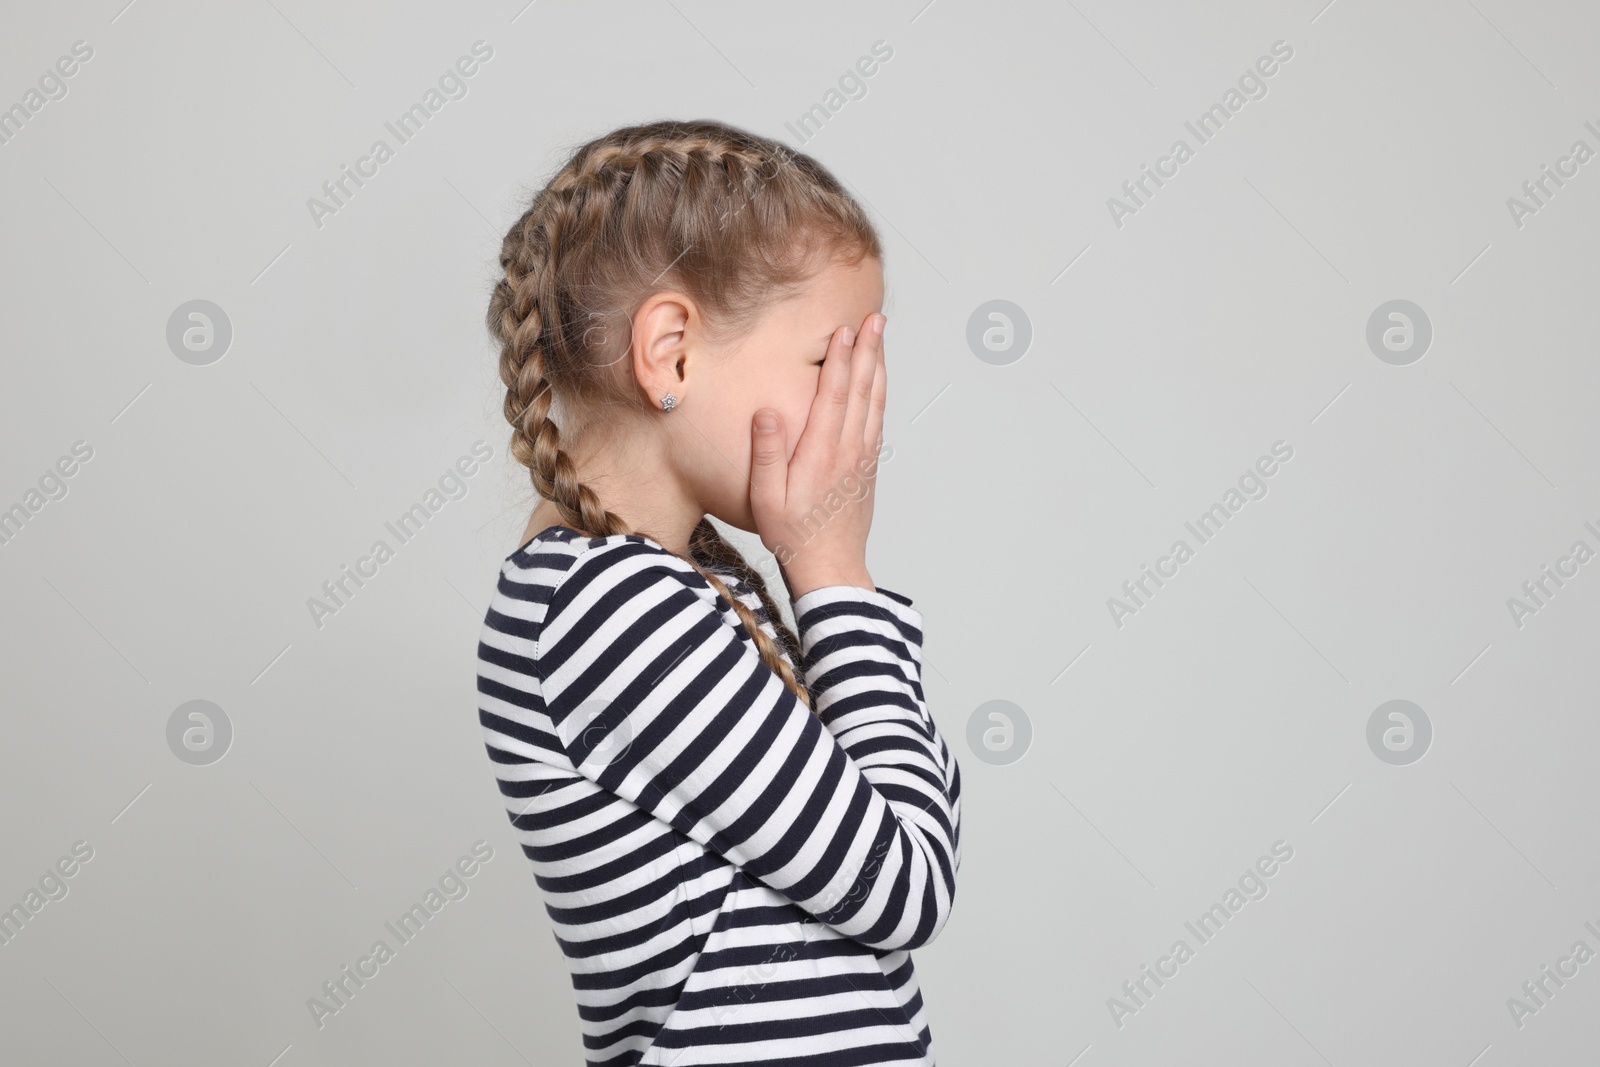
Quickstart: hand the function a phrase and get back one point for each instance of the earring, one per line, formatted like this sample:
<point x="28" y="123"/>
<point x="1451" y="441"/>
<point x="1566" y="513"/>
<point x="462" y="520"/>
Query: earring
<point x="669" y="402"/>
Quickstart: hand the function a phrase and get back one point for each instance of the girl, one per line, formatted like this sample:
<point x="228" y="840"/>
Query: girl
<point x="739" y="833"/>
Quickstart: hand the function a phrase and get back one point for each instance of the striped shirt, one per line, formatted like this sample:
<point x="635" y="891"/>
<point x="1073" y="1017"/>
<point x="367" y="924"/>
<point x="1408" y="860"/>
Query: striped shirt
<point x="732" y="878"/>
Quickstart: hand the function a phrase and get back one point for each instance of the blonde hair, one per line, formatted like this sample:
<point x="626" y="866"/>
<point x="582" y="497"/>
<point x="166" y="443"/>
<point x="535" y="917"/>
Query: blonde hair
<point x="733" y="220"/>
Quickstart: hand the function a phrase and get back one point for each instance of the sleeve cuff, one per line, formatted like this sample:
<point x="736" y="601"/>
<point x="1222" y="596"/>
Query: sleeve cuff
<point x="832" y="600"/>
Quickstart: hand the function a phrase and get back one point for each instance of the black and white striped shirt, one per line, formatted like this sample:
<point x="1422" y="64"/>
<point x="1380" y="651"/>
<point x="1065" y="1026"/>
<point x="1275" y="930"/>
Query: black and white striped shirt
<point x="732" y="878"/>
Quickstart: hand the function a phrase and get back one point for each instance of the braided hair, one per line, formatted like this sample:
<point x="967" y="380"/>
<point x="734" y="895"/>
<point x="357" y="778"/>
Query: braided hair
<point x="734" y="220"/>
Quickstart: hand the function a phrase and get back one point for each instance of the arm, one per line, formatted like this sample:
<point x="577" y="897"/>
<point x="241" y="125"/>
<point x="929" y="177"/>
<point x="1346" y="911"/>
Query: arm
<point x="861" y="654"/>
<point x="656" y="699"/>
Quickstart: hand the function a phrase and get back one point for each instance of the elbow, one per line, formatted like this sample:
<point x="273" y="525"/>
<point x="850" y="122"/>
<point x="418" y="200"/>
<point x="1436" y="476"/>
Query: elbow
<point x="926" y="913"/>
<point x="924" y="934"/>
<point x="919" y="923"/>
<point x="940" y="912"/>
<point x="903" y="903"/>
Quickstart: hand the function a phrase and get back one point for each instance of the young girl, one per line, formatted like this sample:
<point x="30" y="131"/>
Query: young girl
<point x="739" y="833"/>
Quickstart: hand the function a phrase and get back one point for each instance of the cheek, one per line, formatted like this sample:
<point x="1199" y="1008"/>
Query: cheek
<point x="794" y="424"/>
<point x="791" y="394"/>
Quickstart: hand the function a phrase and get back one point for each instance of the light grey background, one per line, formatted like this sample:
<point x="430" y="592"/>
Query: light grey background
<point x="1167" y="355"/>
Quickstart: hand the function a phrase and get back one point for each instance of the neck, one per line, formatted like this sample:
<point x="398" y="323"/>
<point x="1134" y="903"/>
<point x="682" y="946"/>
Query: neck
<point x="644" y="493"/>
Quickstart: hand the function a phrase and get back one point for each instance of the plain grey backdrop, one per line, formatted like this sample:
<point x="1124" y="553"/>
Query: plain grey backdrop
<point x="1081" y="371"/>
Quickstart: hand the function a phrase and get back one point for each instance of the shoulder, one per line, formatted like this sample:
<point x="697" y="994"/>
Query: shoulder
<point x="623" y="559"/>
<point x="601" y="588"/>
<point x="560" y="554"/>
<point x="590" y="589"/>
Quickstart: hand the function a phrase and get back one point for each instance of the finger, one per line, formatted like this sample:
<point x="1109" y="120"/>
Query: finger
<point x="880" y="400"/>
<point x="769" y="468"/>
<point x="833" y="389"/>
<point x="863" y="371"/>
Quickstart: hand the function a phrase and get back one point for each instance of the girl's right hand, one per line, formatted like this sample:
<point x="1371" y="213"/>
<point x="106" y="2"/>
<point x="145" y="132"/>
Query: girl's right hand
<point x="817" y="540"/>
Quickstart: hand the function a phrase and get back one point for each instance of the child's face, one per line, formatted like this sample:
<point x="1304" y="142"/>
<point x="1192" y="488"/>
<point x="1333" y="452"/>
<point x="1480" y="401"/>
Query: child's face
<point x="777" y="366"/>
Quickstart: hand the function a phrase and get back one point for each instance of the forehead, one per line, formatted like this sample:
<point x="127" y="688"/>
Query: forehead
<point x="851" y="290"/>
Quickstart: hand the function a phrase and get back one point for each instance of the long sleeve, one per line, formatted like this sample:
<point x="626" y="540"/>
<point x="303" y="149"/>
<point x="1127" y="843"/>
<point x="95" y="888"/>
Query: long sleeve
<point x="853" y="814"/>
<point x="861" y="655"/>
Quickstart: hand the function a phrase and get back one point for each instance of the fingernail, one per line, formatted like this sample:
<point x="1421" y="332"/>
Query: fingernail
<point x="766" y="421"/>
<point x="883" y="320"/>
<point x="849" y="336"/>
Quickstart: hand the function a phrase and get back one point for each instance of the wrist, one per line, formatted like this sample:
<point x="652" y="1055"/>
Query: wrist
<point x="802" y="582"/>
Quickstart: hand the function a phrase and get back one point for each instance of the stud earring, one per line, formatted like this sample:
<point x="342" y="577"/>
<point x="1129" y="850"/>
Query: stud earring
<point x="669" y="402"/>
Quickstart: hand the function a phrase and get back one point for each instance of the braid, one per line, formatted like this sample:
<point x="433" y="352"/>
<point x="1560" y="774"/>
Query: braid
<point x="720" y="213"/>
<point x="515" y="318"/>
<point x="708" y="544"/>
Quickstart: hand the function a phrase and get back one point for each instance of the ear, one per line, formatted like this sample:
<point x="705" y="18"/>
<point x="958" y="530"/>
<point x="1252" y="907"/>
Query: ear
<point x="666" y="333"/>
